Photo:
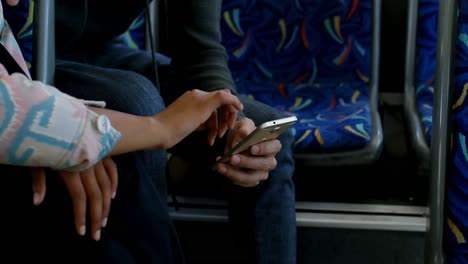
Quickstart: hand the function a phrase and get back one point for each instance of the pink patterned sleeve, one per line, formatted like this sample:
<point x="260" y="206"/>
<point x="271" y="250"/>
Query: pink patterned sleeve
<point x="41" y="126"/>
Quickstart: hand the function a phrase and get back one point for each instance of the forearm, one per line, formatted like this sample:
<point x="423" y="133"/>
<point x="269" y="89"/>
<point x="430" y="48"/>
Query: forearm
<point x="137" y="132"/>
<point x="43" y="127"/>
<point x="46" y="128"/>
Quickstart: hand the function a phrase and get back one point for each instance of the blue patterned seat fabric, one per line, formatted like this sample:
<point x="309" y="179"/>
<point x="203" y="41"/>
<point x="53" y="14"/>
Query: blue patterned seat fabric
<point x="308" y="58"/>
<point x="457" y="181"/>
<point x="135" y="35"/>
<point x="20" y="19"/>
<point x="426" y="46"/>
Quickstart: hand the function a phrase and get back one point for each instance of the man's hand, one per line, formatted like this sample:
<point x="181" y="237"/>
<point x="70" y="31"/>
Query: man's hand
<point x="12" y="2"/>
<point x="95" y="186"/>
<point x="253" y="165"/>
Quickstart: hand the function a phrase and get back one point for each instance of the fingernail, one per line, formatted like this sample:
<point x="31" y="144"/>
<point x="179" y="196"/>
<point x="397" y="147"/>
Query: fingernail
<point x="104" y="222"/>
<point x="221" y="133"/>
<point x="82" y="230"/>
<point x="36" y="198"/>
<point x="222" y="169"/>
<point x="113" y="195"/>
<point x="254" y="149"/>
<point x="235" y="160"/>
<point x="97" y="235"/>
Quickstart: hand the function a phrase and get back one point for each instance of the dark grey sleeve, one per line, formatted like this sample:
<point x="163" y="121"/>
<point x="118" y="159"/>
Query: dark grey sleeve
<point x="195" y="41"/>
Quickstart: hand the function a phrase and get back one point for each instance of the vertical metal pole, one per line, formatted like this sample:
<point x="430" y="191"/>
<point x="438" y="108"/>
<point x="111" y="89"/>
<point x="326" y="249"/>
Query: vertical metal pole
<point x="418" y="140"/>
<point x="375" y="49"/>
<point x="44" y="41"/>
<point x="154" y="16"/>
<point x="410" y="58"/>
<point x="440" y="144"/>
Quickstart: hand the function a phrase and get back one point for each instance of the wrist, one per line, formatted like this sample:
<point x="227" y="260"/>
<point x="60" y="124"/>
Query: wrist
<point x="158" y="132"/>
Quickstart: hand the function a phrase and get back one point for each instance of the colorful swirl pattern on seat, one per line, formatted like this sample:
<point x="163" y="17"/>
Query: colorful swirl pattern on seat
<point x="457" y="181"/>
<point x="426" y="45"/>
<point x="20" y="19"/>
<point x="135" y="35"/>
<point x="308" y="58"/>
<point x="40" y="126"/>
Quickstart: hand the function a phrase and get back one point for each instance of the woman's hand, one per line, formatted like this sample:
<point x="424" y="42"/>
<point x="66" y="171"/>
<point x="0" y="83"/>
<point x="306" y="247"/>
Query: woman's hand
<point x="221" y="120"/>
<point x="94" y="187"/>
<point x="197" y="109"/>
<point x="12" y="2"/>
<point x="193" y="110"/>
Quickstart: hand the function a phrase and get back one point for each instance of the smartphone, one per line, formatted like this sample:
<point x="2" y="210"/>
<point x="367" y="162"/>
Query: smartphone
<point x="266" y="131"/>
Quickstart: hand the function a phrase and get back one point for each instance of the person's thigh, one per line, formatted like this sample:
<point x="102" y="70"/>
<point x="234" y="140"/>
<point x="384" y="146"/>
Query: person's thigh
<point x="124" y="91"/>
<point x="263" y="218"/>
<point x="271" y="205"/>
<point x="139" y="229"/>
<point x="117" y="55"/>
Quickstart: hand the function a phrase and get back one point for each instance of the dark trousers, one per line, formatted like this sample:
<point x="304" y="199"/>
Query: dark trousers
<point x="139" y="228"/>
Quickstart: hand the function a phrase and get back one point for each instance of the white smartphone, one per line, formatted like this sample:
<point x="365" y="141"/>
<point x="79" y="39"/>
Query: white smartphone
<point x="266" y="131"/>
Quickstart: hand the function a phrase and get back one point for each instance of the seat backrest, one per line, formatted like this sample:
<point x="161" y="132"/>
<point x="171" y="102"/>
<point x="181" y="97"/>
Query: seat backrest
<point x="456" y="222"/>
<point x="35" y="37"/>
<point x="426" y="45"/>
<point x="20" y="19"/>
<point x="298" y="42"/>
<point x="311" y="59"/>
<point x="135" y="37"/>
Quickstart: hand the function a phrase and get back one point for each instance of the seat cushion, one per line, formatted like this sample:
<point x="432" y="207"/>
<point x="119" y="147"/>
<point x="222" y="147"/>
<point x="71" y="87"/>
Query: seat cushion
<point x="309" y="58"/>
<point x="332" y="117"/>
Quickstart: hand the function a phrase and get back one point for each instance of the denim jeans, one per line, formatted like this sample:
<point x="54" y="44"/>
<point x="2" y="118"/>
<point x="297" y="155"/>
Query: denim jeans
<point x="139" y="229"/>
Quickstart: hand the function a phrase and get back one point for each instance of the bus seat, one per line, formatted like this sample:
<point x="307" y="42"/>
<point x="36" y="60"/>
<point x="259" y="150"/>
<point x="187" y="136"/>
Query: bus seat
<point x="339" y="122"/>
<point x="425" y="65"/>
<point x="456" y="222"/>
<point x="135" y="37"/>
<point x="20" y="19"/>
<point x="316" y="60"/>
<point x="419" y="77"/>
<point x="41" y="64"/>
<point x="448" y="203"/>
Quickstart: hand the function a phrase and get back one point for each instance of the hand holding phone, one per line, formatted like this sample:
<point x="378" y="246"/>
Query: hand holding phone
<point x="266" y="131"/>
